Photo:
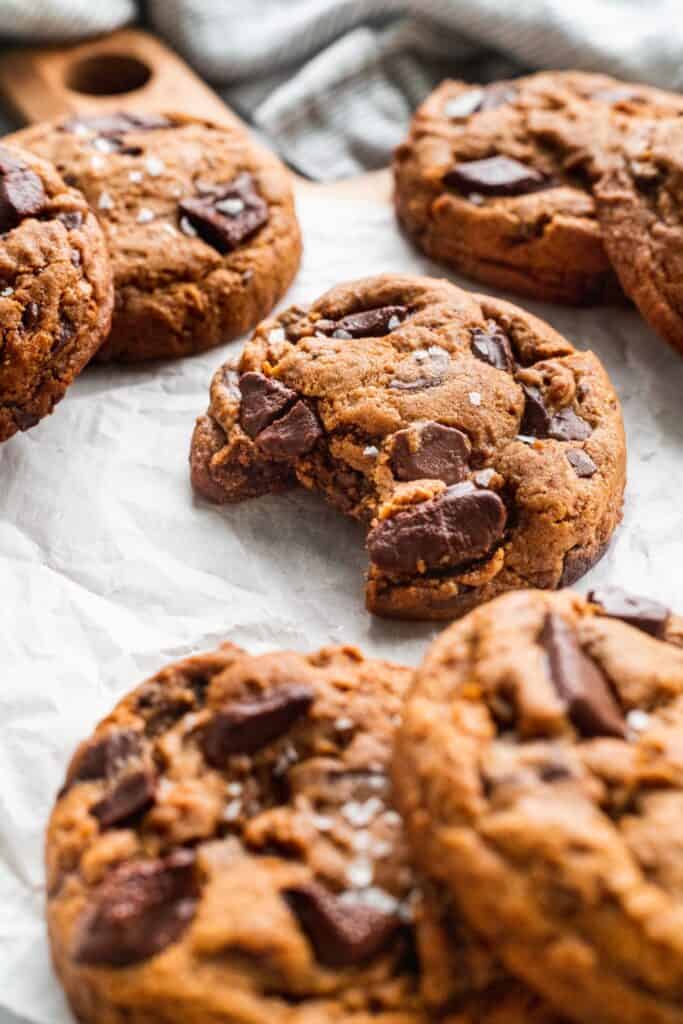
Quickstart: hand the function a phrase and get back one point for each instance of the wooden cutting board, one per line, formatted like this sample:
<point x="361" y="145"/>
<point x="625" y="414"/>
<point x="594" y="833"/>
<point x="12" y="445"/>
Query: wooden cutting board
<point x="133" y="69"/>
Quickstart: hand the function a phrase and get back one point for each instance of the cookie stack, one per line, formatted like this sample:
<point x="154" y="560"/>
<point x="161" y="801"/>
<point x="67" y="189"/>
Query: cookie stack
<point x="132" y="237"/>
<point x="492" y="839"/>
<point x="563" y="186"/>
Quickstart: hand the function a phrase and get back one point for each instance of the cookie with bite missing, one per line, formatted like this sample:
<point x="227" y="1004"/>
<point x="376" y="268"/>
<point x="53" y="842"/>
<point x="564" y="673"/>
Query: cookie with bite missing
<point x="225" y="847"/>
<point x="496" y="181"/>
<point x="56" y="291"/>
<point x="199" y="221"/>
<point x="481" y="449"/>
<point x="538" y="771"/>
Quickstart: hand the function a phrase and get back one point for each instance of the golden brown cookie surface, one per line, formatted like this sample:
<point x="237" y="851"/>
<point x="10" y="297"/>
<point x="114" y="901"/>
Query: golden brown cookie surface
<point x="483" y="451"/>
<point x="538" y="772"/>
<point x="225" y="847"/>
<point x="55" y="289"/>
<point x="639" y="201"/>
<point x="496" y="180"/>
<point x="200" y="226"/>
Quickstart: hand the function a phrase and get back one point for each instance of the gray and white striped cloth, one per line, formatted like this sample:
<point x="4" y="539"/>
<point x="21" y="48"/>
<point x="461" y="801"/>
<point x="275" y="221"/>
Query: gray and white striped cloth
<point x="331" y="83"/>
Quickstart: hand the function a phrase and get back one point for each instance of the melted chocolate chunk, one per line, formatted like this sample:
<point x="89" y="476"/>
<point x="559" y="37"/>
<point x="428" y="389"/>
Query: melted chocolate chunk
<point x="341" y="934"/>
<point x="131" y="797"/>
<point x="111" y="125"/>
<point x="138" y="910"/>
<point x="31" y="316"/>
<point x="103" y="759"/>
<point x="493" y="347"/>
<point x="21" y="192"/>
<point x="591" y="705"/>
<point x="453" y="529"/>
<point x="582" y="463"/>
<point x="430" y="451"/>
<point x="538" y="421"/>
<point x="295" y="433"/>
<point x="495" y="176"/>
<point x="565" y="425"/>
<point x="372" y="323"/>
<point x="65" y="333"/>
<point x="228" y="216"/>
<point x="641" y="612"/>
<point x="263" y="400"/>
<point x="248" y="725"/>
<point x="24" y="420"/>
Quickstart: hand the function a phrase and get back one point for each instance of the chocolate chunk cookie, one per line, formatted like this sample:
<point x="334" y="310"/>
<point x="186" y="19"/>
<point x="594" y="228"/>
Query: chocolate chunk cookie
<point x="639" y="202"/>
<point x="538" y="770"/>
<point x="496" y="181"/>
<point x="56" y="292"/>
<point x="200" y="225"/>
<point x="225" y="848"/>
<point x="481" y="449"/>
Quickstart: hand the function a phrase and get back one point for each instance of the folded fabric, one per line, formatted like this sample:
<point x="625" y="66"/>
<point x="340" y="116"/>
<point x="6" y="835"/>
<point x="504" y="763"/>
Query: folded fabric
<point x="331" y="83"/>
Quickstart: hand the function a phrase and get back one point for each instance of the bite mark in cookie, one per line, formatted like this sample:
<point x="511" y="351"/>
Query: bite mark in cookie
<point x="481" y="449"/>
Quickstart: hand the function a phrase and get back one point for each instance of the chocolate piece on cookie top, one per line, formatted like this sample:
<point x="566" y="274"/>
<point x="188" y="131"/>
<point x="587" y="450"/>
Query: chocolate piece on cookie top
<point x="553" y="726"/>
<point x="240" y="804"/>
<point x="480" y="448"/>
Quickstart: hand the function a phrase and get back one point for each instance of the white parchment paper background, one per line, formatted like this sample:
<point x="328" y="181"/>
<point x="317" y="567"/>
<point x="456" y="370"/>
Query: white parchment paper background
<point x="109" y="567"/>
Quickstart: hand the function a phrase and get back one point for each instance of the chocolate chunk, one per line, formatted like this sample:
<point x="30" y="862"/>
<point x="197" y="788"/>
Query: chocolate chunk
<point x="591" y="705"/>
<point x="248" y="725"/>
<point x="342" y="934"/>
<point x="495" y="176"/>
<point x="65" y="333"/>
<point x="462" y="106"/>
<point x="24" y="420"/>
<point x="578" y="561"/>
<point x="30" y="316"/>
<point x="110" y="125"/>
<point x="493" y="347"/>
<point x="21" y="192"/>
<point x="293" y="434"/>
<point x="132" y="796"/>
<point x="372" y="323"/>
<point x="225" y="218"/>
<point x="581" y="462"/>
<point x="565" y="425"/>
<point x="537" y="420"/>
<point x="103" y="759"/>
<point x="138" y="910"/>
<point x="641" y="612"/>
<point x="455" y="528"/>
<point x="430" y="451"/>
<point x="71" y="219"/>
<point x="263" y="400"/>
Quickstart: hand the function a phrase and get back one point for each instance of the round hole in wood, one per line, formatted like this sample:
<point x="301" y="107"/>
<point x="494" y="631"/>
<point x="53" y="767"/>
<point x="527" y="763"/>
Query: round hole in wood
<point x="108" y="74"/>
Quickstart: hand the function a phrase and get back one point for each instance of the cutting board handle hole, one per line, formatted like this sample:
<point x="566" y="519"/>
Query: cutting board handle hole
<point x="107" y="74"/>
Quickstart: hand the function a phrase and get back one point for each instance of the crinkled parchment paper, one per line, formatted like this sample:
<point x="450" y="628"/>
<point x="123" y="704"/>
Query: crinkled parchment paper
<point x="109" y="567"/>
